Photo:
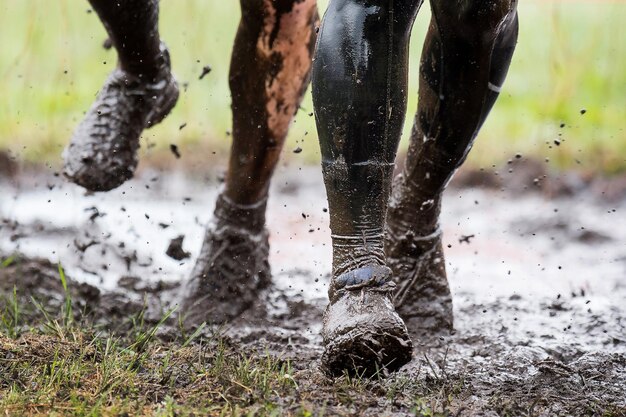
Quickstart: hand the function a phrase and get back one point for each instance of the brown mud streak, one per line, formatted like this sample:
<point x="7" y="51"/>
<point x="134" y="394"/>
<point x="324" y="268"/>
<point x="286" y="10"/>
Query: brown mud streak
<point x="270" y="71"/>
<point x="293" y="65"/>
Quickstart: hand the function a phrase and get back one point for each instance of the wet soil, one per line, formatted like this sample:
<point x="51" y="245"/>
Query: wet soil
<point x="539" y="290"/>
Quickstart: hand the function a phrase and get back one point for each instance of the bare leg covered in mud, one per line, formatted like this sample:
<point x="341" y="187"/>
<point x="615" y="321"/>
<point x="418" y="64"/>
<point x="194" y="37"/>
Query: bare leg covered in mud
<point x="102" y="153"/>
<point x="269" y="74"/>
<point x="360" y="94"/>
<point x="464" y="63"/>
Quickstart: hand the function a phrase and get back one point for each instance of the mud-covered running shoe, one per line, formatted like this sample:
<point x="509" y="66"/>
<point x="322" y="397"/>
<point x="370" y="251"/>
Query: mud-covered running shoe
<point x="102" y="153"/>
<point x="232" y="267"/>
<point x="363" y="335"/>
<point x="422" y="296"/>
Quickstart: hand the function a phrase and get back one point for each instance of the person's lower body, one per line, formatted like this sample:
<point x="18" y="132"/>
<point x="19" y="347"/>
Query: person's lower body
<point x="359" y="92"/>
<point x="102" y="153"/>
<point x="465" y="60"/>
<point x="360" y="102"/>
<point x="269" y="74"/>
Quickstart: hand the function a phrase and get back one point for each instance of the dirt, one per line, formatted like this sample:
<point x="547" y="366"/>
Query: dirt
<point x="175" y="249"/>
<point x="538" y="292"/>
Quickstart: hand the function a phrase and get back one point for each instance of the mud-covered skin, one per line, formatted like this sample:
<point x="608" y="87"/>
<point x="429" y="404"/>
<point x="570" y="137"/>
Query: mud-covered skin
<point x="465" y="60"/>
<point x="362" y="333"/>
<point x="232" y="266"/>
<point x="102" y="153"/>
<point x="360" y="94"/>
<point x="269" y="74"/>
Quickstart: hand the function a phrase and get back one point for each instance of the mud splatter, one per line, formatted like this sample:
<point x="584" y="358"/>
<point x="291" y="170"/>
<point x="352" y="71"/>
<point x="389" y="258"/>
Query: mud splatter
<point x="206" y="70"/>
<point x="175" y="249"/>
<point x="517" y="345"/>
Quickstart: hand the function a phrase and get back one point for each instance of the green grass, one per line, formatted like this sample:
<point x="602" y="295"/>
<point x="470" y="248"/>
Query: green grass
<point x="57" y="362"/>
<point x="81" y="373"/>
<point x="58" y="358"/>
<point x="571" y="56"/>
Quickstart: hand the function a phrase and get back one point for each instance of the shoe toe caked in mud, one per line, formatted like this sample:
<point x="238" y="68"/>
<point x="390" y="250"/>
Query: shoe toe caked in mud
<point x="422" y="296"/>
<point x="363" y="334"/>
<point x="232" y="267"/>
<point x="415" y="255"/>
<point x="102" y="153"/>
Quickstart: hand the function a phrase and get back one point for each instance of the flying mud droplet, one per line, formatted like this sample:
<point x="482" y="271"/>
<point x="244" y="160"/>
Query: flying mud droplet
<point x="83" y="246"/>
<point x="466" y="238"/>
<point x="95" y="213"/>
<point x="205" y="71"/>
<point x="297" y="150"/>
<point x="175" y="150"/>
<point x="181" y="127"/>
<point x="175" y="249"/>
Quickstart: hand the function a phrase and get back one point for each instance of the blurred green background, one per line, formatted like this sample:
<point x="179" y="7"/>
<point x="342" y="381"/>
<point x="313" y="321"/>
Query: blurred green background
<point x="571" y="56"/>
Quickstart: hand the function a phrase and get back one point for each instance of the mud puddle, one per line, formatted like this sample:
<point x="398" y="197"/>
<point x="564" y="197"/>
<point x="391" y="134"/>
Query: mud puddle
<point x="539" y="284"/>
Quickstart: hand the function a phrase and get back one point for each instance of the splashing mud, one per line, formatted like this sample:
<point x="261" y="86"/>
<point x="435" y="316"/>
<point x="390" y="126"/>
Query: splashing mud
<point x="540" y="319"/>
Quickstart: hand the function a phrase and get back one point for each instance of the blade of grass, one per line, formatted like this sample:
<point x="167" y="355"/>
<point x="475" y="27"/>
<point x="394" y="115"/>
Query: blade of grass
<point x="194" y="335"/>
<point x="67" y="314"/>
<point x="7" y="262"/>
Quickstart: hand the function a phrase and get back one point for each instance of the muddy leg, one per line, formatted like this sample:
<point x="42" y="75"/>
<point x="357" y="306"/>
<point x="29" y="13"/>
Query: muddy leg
<point x="269" y="74"/>
<point x="464" y="62"/>
<point x="102" y="153"/>
<point x="359" y="92"/>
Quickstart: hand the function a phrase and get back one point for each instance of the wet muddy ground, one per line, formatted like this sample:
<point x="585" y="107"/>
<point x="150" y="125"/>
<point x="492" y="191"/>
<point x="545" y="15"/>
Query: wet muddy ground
<point x="537" y="267"/>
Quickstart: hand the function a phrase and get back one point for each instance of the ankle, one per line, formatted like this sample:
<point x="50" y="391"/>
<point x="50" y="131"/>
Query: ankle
<point x="411" y="209"/>
<point x="250" y="217"/>
<point x="148" y="69"/>
<point x="357" y="249"/>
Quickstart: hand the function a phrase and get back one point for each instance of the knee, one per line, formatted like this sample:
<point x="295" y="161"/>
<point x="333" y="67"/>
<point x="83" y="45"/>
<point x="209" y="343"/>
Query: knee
<point x="275" y="17"/>
<point x="471" y="18"/>
<point x="358" y="27"/>
<point x="373" y="15"/>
